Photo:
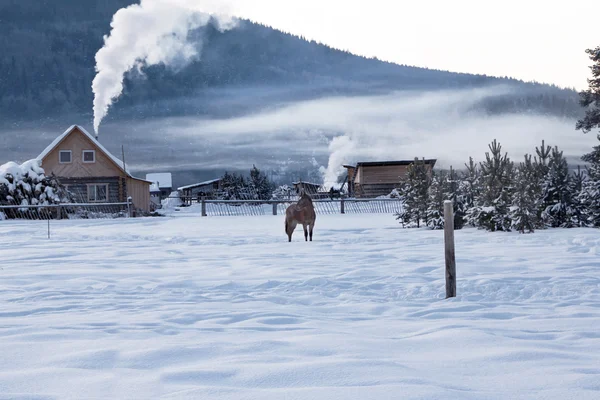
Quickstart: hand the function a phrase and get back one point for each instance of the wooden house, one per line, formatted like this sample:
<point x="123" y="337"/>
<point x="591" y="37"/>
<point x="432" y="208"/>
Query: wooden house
<point x="201" y="190"/>
<point x="91" y="172"/>
<point x="379" y="178"/>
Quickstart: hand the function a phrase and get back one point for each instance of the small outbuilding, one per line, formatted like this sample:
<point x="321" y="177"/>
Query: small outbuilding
<point x="379" y="178"/>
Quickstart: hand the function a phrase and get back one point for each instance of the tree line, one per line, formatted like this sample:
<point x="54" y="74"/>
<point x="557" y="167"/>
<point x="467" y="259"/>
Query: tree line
<point x="499" y="194"/>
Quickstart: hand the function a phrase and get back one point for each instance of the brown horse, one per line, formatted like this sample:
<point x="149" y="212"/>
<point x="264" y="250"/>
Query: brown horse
<point x="303" y="212"/>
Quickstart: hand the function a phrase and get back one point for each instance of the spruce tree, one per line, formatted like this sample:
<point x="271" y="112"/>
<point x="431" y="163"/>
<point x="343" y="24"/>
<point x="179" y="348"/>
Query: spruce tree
<point x="414" y="190"/>
<point x="590" y="191"/>
<point x="556" y="192"/>
<point x="492" y="212"/>
<point x="590" y="98"/>
<point x="263" y="188"/>
<point x="523" y="212"/>
<point x="578" y="208"/>
<point x="541" y="164"/>
<point x="471" y="189"/>
<point x="589" y="198"/>
<point x="458" y="199"/>
<point x="438" y="192"/>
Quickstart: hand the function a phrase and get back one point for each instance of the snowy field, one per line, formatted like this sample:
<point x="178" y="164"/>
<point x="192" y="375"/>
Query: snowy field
<point x="224" y="308"/>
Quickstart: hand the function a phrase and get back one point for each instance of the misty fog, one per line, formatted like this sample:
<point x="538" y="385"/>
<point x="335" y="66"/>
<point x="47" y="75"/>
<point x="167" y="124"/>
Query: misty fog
<point x="323" y="134"/>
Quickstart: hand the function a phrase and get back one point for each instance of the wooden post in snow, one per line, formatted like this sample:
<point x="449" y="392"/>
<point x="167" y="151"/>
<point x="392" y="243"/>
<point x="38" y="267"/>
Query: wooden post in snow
<point x="342" y="206"/>
<point x="275" y="208"/>
<point x="203" y="208"/>
<point x="449" y="249"/>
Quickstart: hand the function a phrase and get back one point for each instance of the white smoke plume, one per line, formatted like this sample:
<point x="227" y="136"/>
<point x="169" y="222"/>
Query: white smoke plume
<point x="150" y="33"/>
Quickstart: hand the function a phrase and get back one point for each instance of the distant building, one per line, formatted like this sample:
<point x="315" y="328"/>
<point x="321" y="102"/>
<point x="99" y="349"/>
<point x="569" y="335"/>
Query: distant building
<point x="161" y="186"/>
<point x="308" y="187"/>
<point x="379" y="178"/>
<point x="91" y="172"/>
<point x="201" y="190"/>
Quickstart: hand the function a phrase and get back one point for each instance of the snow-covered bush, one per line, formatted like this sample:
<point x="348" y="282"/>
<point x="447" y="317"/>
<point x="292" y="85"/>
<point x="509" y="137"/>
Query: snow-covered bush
<point x="27" y="184"/>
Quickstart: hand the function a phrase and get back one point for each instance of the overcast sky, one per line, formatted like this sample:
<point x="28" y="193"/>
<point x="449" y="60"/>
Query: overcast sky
<point x="527" y="39"/>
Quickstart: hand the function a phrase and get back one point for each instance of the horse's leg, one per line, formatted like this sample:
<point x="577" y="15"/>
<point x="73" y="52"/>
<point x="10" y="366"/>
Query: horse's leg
<point x="310" y="227"/>
<point x="290" y="230"/>
<point x="305" y="232"/>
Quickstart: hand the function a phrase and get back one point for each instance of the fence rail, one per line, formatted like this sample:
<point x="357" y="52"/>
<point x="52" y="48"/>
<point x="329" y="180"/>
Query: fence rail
<point x="65" y="211"/>
<point x="278" y="207"/>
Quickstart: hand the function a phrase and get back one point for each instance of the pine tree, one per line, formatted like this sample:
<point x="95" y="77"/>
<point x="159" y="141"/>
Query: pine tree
<point x="590" y="98"/>
<point x="541" y="164"/>
<point x="458" y="200"/>
<point x="576" y="185"/>
<point x="263" y="188"/>
<point x="415" y="194"/>
<point x="523" y="212"/>
<point x="438" y="192"/>
<point x="556" y="192"/>
<point x="492" y="212"/>
<point x="471" y="189"/>
<point x="590" y="191"/>
<point x="234" y="187"/>
<point x="471" y="184"/>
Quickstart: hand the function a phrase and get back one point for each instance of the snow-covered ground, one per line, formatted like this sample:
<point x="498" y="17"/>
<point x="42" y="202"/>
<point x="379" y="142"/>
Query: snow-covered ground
<point x="224" y="308"/>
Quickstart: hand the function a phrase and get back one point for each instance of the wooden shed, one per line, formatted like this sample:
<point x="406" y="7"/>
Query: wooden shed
<point x="202" y="190"/>
<point x="91" y="172"/>
<point x="378" y="178"/>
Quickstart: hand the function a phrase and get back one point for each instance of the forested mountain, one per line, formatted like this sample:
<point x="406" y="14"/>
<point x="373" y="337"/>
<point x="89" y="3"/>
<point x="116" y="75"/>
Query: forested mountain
<point x="47" y="50"/>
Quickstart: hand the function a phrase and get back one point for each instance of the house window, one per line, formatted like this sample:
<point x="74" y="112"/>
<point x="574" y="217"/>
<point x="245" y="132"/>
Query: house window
<point x="64" y="157"/>
<point x="89" y="156"/>
<point x="98" y="193"/>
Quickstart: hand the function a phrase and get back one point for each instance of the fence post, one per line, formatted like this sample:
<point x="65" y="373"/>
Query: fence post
<point x="449" y="249"/>
<point x="342" y="206"/>
<point x="203" y="208"/>
<point x="129" y="207"/>
<point x="275" y="204"/>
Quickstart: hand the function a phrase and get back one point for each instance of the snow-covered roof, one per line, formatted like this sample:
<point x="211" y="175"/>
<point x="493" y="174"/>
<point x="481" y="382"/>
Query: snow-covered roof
<point x="107" y="153"/>
<point x="163" y="179"/>
<point x="306" y="183"/>
<point x="199" y="184"/>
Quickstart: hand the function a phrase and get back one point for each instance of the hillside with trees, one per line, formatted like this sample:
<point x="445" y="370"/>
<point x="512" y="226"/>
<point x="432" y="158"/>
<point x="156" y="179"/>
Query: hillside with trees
<point x="47" y="50"/>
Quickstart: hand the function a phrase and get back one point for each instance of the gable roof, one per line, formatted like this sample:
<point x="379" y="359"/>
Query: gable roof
<point x="71" y="129"/>
<point x="306" y="183"/>
<point x="195" y="185"/>
<point x="389" y="163"/>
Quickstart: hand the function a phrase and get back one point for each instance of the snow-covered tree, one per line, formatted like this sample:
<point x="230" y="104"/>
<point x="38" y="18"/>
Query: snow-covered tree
<point x="578" y="216"/>
<point x="261" y="184"/>
<point x="589" y="197"/>
<point x="523" y="212"/>
<point x="438" y="192"/>
<point x="234" y="187"/>
<point x="590" y="191"/>
<point x="414" y="190"/>
<point x="556" y="192"/>
<point x="458" y="199"/>
<point x="445" y="185"/>
<point x="492" y="211"/>
<point x="27" y="184"/>
<point x="283" y="192"/>
<point x="590" y="98"/>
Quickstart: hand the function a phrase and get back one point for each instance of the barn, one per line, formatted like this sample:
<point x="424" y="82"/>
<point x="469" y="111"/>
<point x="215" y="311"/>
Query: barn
<point x="378" y="178"/>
